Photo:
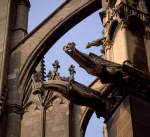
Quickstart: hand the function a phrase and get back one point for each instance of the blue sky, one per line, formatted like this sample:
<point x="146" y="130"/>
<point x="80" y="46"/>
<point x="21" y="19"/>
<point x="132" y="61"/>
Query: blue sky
<point x="84" y="32"/>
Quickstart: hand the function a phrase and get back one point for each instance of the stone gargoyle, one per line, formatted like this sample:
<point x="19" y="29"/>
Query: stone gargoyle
<point x="75" y="92"/>
<point x="107" y="71"/>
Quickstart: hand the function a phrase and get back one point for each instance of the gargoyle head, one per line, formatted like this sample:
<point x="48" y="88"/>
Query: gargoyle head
<point x="69" y="48"/>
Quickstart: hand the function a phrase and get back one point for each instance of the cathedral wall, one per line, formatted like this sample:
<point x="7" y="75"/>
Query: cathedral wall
<point x="4" y="29"/>
<point x="4" y="32"/>
<point x="120" y="124"/>
<point x="56" y="123"/>
<point x="128" y="46"/>
<point x="120" y="53"/>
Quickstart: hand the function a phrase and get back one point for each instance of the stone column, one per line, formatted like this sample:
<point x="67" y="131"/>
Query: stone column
<point x="5" y="6"/>
<point x="19" y="29"/>
<point x="75" y="114"/>
<point x="43" y="122"/>
<point x="131" y="119"/>
<point x="14" y="120"/>
<point x="120" y="52"/>
<point x="13" y="99"/>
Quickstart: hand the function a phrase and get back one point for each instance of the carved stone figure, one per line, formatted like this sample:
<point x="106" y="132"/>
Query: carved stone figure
<point x="95" y="65"/>
<point x="96" y="43"/>
<point x="107" y="71"/>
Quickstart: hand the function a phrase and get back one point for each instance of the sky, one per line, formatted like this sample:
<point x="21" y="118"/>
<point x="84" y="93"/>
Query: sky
<point x="86" y="31"/>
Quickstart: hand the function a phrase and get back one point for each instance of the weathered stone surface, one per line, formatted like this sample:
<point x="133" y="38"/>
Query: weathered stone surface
<point x="4" y="31"/>
<point x="57" y="120"/>
<point x="122" y="43"/>
<point x="120" y="124"/>
<point x="130" y="119"/>
<point x="140" y="111"/>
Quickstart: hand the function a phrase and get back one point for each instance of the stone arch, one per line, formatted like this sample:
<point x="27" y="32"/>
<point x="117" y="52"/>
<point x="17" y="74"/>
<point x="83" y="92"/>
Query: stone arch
<point x="85" y="118"/>
<point x="78" y="11"/>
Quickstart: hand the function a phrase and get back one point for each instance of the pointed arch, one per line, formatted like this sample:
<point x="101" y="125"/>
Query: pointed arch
<point x="85" y="118"/>
<point x="34" y="46"/>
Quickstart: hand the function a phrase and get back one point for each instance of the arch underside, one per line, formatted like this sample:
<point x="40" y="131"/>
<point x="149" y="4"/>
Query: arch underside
<point x="85" y="118"/>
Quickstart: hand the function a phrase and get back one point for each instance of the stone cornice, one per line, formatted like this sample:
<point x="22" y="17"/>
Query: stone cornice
<point x="23" y="2"/>
<point x="123" y="11"/>
<point x="15" y="108"/>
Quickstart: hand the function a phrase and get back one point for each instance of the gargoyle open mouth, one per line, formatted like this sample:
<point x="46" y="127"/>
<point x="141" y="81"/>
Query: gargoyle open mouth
<point x="69" y="48"/>
<point x="69" y="51"/>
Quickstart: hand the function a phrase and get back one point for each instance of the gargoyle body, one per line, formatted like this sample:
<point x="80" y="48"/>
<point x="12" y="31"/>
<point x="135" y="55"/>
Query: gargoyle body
<point x="95" y="65"/>
<point x="107" y="71"/>
<point x="96" y="43"/>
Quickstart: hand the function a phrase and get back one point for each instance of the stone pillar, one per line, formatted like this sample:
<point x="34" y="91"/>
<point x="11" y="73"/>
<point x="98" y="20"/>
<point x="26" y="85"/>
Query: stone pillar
<point x="131" y="119"/>
<point x="19" y="29"/>
<point x="14" y="120"/>
<point x="5" y="6"/>
<point x="120" y="52"/>
<point x="75" y="114"/>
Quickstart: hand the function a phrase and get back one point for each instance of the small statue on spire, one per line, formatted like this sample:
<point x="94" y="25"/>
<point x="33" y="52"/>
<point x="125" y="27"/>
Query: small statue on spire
<point x="72" y="72"/>
<point x="56" y="66"/>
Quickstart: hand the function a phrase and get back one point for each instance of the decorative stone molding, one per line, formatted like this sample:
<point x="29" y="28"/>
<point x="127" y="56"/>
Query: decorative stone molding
<point x="23" y="2"/>
<point x="107" y="44"/>
<point x="15" y="108"/>
<point x="147" y="35"/>
<point x="123" y="24"/>
<point x="123" y="11"/>
<point x="3" y="99"/>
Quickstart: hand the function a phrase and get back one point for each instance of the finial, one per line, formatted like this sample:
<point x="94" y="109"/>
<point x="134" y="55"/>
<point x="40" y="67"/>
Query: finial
<point x="72" y="71"/>
<point x="56" y="66"/>
<point x="37" y="76"/>
<point x="50" y="75"/>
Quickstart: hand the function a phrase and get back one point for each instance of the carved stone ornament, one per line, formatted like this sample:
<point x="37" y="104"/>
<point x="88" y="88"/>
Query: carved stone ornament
<point x="14" y="108"/>
<point x="123" y="11"/>
<point x="107" y="44"/>
<point x="3" y="99"/>
<point x="147" y="35"/>
<point x="96" y="43"/>
<point x="123" y="24"/>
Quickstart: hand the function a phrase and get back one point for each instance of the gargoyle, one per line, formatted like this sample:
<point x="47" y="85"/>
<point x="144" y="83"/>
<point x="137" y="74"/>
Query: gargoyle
<point x="96" y="43"/>
<point x="107" y="71"/>
<point x="95" y="65"/>
<point x="75" y="92"/>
